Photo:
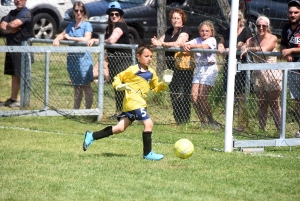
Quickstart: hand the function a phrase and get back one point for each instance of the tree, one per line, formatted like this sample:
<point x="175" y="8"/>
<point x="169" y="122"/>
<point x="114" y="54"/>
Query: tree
<point x="161" y="29"/>
<point x="225" y="8"/>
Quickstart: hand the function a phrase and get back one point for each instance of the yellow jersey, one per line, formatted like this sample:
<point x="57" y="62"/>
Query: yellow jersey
<point x="140" y="82"/>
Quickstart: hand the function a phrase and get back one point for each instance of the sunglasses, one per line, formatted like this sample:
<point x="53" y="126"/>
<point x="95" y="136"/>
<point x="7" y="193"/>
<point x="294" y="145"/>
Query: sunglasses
<point x="114" y="14"/>
<point x="239" y="19"/>
<point x="261" y="26"/>
<point x="76" y="11"/>
<point x="206" y="31"/>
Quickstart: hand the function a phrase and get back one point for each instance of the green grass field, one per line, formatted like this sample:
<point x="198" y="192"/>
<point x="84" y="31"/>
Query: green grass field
<point x="42" y="159"/>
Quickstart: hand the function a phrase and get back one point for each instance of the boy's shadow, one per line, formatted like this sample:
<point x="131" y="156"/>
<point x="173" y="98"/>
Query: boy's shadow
<point x="112" y="155"/>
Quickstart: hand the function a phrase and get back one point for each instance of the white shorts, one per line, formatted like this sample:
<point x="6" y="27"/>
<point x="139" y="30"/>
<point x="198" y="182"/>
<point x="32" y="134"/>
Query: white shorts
<point x="206" y="75"/>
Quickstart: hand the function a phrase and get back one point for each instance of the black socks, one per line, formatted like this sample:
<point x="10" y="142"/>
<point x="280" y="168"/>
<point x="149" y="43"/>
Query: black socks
<point x="147" y="142"/>
<point x="147" y="138"/>
<point x="103" y="133"/>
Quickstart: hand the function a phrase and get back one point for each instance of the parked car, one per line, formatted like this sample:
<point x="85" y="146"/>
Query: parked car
<point x="47" y="15"/>
<point x="275" y="10"/>
<point x="141" y="16"/>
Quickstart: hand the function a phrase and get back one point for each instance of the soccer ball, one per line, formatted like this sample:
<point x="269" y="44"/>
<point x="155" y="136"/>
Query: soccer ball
<point x="183" y="148"/>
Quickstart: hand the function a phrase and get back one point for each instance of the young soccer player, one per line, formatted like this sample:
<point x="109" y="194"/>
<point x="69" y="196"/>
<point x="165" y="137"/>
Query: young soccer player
<point x="136" y="81"/>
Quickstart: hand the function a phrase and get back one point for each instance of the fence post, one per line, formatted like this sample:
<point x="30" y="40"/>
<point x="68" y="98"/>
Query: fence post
<point x="283" y="103"/>
<point x="25" y="78"/>
<point x="228" y="144"/>
<point x="47" y="67"/>
<point x="100" y="77"/>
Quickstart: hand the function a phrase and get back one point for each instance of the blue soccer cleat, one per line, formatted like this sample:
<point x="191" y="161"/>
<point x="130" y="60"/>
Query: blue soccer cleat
<point x="88" y="140"/>
<point x="153" y="156"/>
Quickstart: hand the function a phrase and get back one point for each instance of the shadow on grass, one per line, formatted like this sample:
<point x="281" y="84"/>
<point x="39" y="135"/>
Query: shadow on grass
<point x="113" y="155"/>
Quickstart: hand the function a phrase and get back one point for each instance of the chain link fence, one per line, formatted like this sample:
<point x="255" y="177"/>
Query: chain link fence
<point x="256" y="115"/>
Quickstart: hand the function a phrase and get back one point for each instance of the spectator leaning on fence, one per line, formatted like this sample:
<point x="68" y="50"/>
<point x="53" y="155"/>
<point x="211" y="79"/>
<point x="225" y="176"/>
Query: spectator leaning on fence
<point x="267" y="83"/>
<point x="290" y="44"/>
<point x="17" y="27"/>
<point x="206" y="71"/>
<point x="180" y="87"/>
<point x="79" y="65"/>
<point x="118" y="59"/>
<point x="136" y="81"/>
<point x="243" y="34"/>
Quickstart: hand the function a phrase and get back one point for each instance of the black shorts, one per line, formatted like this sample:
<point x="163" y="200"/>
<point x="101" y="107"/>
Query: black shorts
<point x="13" y="64"/>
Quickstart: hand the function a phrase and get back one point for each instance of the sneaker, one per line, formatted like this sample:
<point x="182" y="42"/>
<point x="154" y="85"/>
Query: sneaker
<point x="153" y="156"/>
<point x="88" y="140"/>
<point x="297" y="135"/>
<point x="14" y="104"/>
<point x="10" y="103"/>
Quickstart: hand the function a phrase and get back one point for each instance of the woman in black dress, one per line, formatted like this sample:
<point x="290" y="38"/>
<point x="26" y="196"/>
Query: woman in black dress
<point x="180" y="87"/>
<point x="118" y="59"/>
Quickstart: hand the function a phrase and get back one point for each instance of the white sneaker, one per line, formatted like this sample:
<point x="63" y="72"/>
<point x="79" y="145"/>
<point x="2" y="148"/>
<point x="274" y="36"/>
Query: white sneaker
<point x="297" y="135"/>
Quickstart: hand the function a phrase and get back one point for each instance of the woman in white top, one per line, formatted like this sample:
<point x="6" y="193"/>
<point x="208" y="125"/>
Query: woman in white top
<point x="267" y="83"/>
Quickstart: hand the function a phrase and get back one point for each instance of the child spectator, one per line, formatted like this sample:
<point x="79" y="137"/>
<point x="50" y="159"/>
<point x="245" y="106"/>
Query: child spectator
<point x="206" y="71"/>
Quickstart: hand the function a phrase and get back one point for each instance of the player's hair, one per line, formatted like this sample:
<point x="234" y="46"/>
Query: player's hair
<point x="242" y="17"/>
<point x="265" y="19"/>
<point x="111" y="26"/>
<point x="80" y="4"/>
<point x="141" y="48"/>
<point x="210" y="24"/>
<point x="181" y="12"/>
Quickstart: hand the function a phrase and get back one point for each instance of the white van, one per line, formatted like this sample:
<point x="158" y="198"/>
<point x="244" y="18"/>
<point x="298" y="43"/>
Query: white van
<point x="47" y="15"/>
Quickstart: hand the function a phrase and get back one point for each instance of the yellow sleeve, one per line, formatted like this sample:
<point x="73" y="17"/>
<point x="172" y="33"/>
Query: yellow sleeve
<point x="119" y="78"/>
<point x="117" y="81"/>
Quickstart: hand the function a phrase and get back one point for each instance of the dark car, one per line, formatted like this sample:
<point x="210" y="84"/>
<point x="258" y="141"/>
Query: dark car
<point x="275" y="10"/>
<point x="141" y="16"/>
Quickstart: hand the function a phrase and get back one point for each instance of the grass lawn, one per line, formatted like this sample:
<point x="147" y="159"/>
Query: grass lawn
<point x="42" y="159"/>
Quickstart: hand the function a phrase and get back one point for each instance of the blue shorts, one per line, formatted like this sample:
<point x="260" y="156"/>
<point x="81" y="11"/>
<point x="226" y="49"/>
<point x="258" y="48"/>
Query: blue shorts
<point x="138" y="114"/>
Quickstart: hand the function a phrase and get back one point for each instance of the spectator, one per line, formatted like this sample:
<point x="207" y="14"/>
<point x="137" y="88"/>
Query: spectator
<point x="267" y="83"/>
<point x="80" y="65"/>
<point x="243" y="34"/>
<point x="136" y="81"/>
<point x="180" y="86"/>
<point x="206" y="71"/>
<point x="290" y="38"/>
<point x="17" y="27"/>
<point x="118" y="59"/>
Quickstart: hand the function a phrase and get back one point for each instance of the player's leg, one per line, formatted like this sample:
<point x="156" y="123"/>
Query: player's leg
<point x="274" y="102"/>
<point x="78" y="94"/>
<point x="262" y="112"/>
<point x="15" y="87"/>
<point x="148" y="154"/>
<point x="88" y="94"/>
<point x="195" y="101"/>
<point x="106" y="132"/>
<point x="204" y="104"/>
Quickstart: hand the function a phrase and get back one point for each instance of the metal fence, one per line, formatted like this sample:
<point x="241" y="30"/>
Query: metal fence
<point x="47" y="90"/>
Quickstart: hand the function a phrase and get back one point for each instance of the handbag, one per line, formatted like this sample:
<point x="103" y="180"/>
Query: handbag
<point x="184" y="61"/>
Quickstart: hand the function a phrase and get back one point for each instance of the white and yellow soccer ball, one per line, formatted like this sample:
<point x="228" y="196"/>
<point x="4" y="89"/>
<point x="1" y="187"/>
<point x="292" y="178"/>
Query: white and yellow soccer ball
<point x="183" y="148"/>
